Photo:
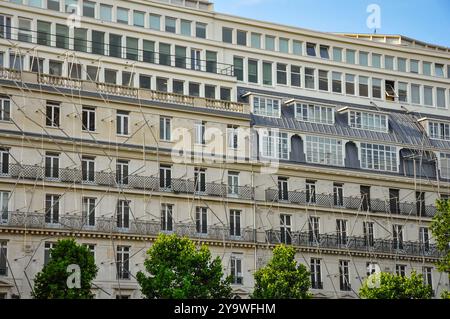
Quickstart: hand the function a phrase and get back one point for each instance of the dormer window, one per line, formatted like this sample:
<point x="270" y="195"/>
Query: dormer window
<point x="439" y="130"/>
<point x="266" y="106"/>
<point x="314" y="113"/>
<point x="368" y="121"/>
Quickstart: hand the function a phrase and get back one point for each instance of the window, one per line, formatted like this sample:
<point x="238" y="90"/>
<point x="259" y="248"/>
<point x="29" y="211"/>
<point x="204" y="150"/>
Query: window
<point x="171" y="25"/>
<point x="123" y="262"/>
<point x="239" y="68"/>
<point x="123" y="214"/>
<point x="122" y="118"/>
<point x="310" y="81"/>
<point x="122" y="15"/>
<point x="47" y="252"/>
<point x="428" y="95"/>
<point x="92" y="73"/>
<point x="394" y="203"/>
<point x="427" y="273"/>
<point x="255" y="41"/>
<point x="145" y="81"/>
<point x="105" y="12"/>
<point x="52" y="117"/>
<point x="379" y="157"/>
<point x="420" y="203"/>
<point x="376" y="88"/>
<point x="155" y="22"/>
<point x="415" y="93"/>
<point x="165" y="128"/>
<point x="122" y="172"/>
<point x="324" y="52"/>
<point x="275" y="144"/>
<point x="236" y="270"/>
<point x="424" y="239"/>
<point x="200" y="30"/>
<point x="311" y="49"/>
<point x="43" y="32"/>
<point x="426" y="68"/>
<point x="267" y="73"/>
<point x="241" y="37"/>
<point x="55" y="68"/>
<point x="403" y="92"/>
<point x="115" y="45"/>
<point x="161" y="85"/>
<point x="196" y="59"/>
<point x="227" y="35"/>
<point x="138" y="18"/>
<point x="186" y="27"/>
<point x="166" y="217"/>
<point x="110" y="76"/>
<point x="316" y="274"/>
<point x="389" y="62"/>
<point x="350" y="84"/>
<point x="270" y="43"/>
<point x="4" y="206"/>
<point x="235" y="223"/>
<point x="397" y="236"/>
<point x="285" y="229"/>
<point x="3" y="260"/>
<point x="4" y="161"/>
<point x="401" y="64"/>
<point x="324" y="150"/>
<point x="233" y="136"/>
<point x="74" y="71"/>
<point x="310" y="192"/>
<point x="194" y="89"/>
<point x="364" y="58"/>
<point x="148" y="52"/>
<point x="252" y="71"/>
<point x="80" y="40"/>
<point x="344" y="278"/>
<point x="36" y="64"/>
<point x="233" y="183"/>
<point x="5" y="27"/>
<point x="88" y="118"/>
<point x="296" y="76"/>
<point x="365" y="198"/>
<point x="225" y="94"/>
<point x="266" y="106"/>
<point x="341" y="232"/>
<point x="164" y="54"/>
<point x="323" y="80"/>
<point x="313" y="227"/>
<point x="363" y="86"/>
<point x="201" y="220"/>
<point x="337" y="82"/>
<point x="132" y="48"/>
<point x="284" y="45"/>
<point x="52" y="209"/>
<point x="200" y="129"/>
<point x="165" y="178"/>
<point x="414" y="66"/>
<point x="350" y="56"/>
<point x="400" y="270"/>
<point x="368" y="121"/>
<point x="210" y="91"/>
<point x="283" y="189"/>
<point x="72" y="6"/>
<point x="5" y="109"/>
<point x="369" y="239"/>
<point x="444" y="162"/>
<point x="200" y="180"/>
<point x="98" y="42"/>
<point x="16" y="61"/>
<point x="439" y="130"/>
<point x="211" y="61"/>
<point x="281" y="73"/>
<point x="314" y="113"/>
<point x="88" y="211"/>
<point x="88" y="169"/>
<point x="338" y="195"/>
<point x="297" y="47"/>
<point x="88" y="9"/>
<point x="337" y="54"/>
<point x="440" y="98"/>
<point x="24" y="34"/>
<point x="127" y="79"/>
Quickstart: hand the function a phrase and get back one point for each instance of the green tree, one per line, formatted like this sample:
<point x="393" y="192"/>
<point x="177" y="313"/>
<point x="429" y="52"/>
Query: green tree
<point x="51" y="282"/>
<point x="440" y="228"/>
<point x="178" y="270"/>
<point x="282" y="277"/>
<point x="395" y="287"/>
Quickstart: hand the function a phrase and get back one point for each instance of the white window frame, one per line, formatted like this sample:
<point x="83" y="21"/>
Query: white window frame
<point x="272" y="144"/>
<point x="266" y="106"/>
<point x="314" y="113"/>
<point x="385" y="164"/>
<point x="4" y="206"/>
<point x="316" y="148"/>
<point x="123" y="123"/>
<point x="233" y="184"/>
<point x="368" y="121"/>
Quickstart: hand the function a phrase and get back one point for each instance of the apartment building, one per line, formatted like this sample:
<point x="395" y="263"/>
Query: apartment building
<point x="120" y="120"/>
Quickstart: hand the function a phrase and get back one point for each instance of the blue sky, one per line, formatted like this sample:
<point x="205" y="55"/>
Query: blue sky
<point x="425" y="20"/>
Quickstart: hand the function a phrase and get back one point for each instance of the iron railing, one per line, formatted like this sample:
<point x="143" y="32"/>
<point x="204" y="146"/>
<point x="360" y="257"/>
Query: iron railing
<point x="354" y="203"/>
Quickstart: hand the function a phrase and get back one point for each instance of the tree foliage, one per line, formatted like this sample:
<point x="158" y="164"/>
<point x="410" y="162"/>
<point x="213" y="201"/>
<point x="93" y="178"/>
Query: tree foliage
<point x="396" y="287"/>
<point x="440" y="227"/>
<point x="51" y="282"/>
<point x="282" y="277"/>
<point x="178" y="270"/>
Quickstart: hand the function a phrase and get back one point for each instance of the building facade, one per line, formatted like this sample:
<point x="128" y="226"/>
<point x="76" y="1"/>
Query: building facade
<point x="120" y="120"/>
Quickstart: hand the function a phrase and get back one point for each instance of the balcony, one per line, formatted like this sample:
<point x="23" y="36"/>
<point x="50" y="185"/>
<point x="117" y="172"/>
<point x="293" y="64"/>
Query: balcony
<point x="137" y="182"/>
<point x="353" y="203"/>
<point x="354" y="243"/>
<point x="76" y="223"/>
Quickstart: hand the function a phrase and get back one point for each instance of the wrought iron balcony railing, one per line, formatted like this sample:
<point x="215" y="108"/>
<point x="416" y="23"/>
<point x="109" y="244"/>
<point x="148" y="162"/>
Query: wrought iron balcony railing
<point x="353" y="243"/>
<point x="354" y="203"/>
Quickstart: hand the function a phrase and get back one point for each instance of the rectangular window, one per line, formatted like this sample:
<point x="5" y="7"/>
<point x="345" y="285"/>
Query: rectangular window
<point x="165" y="128"/>
<point x="266" y="106"/>
<point x="401" y="64"/>
<point x="200" y="30"/>
<point x="138" y="18"/>
<point x="4" y="161"/>
<point x="171" y="25"/>
<point x="350" y="84"/>
<point x="52" y="209"/>
<point x="210" y="91"/>
<point x="310" y="192"/>
<point x="165" y="178"/>
<point x="439" y="130"/>
<point x="194" y="89"/>
<point x="415" y="93"/>
<point x="314" y="113"/>
<point x="341" y="232"/>
<point x="365" y="198"/>
<point x="313" y="229"/>
<point x="235" y="223"/>
<point x="88" y="119"/>
<point x="47" y="249"/>
<point x="225" y="94"/>
<point x="186" y="27"/>
<point x="122" y="169"/>
<point x="122" y="118"/>
<point x="233" y="136"/>
<point x="283" y="189"/>
<point x="337" y="82"/>
<point x="200" y="128"/>
<point x="105" y="12"/>
<point x="236" y="271"/>
<point x="281" y="74"/>
<point x="389" y="62"/>
<point x="53" y="5"/>
<point x="368" y="121"/>
<point x="403" y="92"/>
<point x="145" y="81"/>
<point x="211" y="61"/>
<point x="337" y="54"/>
<point x="178" y="87"/>
<point x="397" y="236"/>
<point x="110" y="76"/>
<point x="275" y="144"/>
<point x="426" y="68"/>
<point x="379" y="157"/>
<point x="311" y="49"/>
<point x="296" y="76"/>
<point x="200" y="180"/>
<point x="132" y="48"/>
<point x="369" y="239"/>
<point x="285" y="229"/>
<point x="88" y="211"/>
<point x="350" y="56"/>
<point x="123" y="214"/>
<point x="324" y="150"/>
<point x="363" y="86"/>
<point x="88" y="9"/>
<point x="376" y="60"/>
<point x="52" y="115"/>
<point x="267" y="73"/>
<point x="16" y="61"/>
<point x="161" y="85"/>
<point x="88" y="169"/>
<point x="43" y="32"/>
<point x="98" y="42"/>
<point x="5" y="27"/>
<point x="297" y="47"/>
<point x="323" y="80"/>
<point x="123" y="262"/>
<point x="233" y="183"/>
<point x="255" y="40"/>
<point x="5" y="109"/>
<point x="36" y="65"/>
<point x="252" y="71"/>
<point x="148" y="52"/>
<point x="427" y="273"/>
<point x="376" y="88"/>
<point x="115" y="45"/>
<point x="324" y="52"/>
<point x="239" y="68"/>
<point x="122" y="15"/>
<point x="363" y="58"/>
<point x="4" y="207"/>
<point x="24" y="33"/>
<point x="310" y="80"/>
<point x="400" y="270"/>
<point x="424" y="239"/>
<point x="428" y="95"/>
<point x="270" y="43"/>
<point x="241" y="38"/>
<point x="155" y="22"/>
<point x="338" y="195"/>
<point x="72" y="6"/>
<point x="414" y="66"/>
<point x="316" y="274"/>
<point x="440" y="98"/>
<point x="55" y="68"/>
<point x="3" y="262"/>
<point x="164" y="54"/>
<point x="227" y="35"/>
<point x="80" y="40"/>
<point x="283" y="45"/>
<point x="201" y="220"/>
<point x="344" y="277"/>
<point x="444" y="163"/>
